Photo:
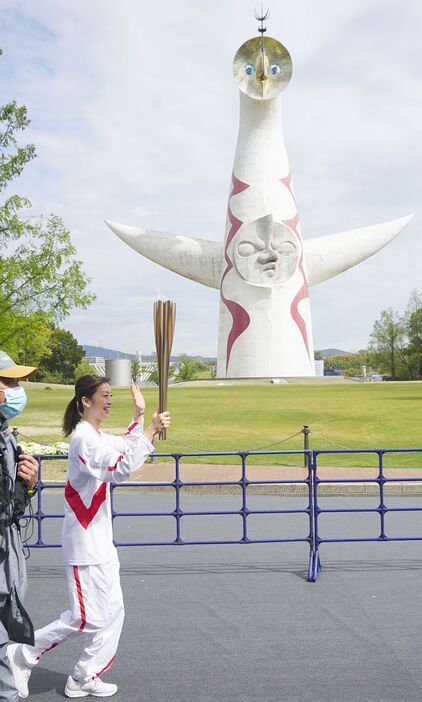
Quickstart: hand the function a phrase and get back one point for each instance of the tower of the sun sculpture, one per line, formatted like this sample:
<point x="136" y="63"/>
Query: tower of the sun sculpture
<point x="263" y="269"/>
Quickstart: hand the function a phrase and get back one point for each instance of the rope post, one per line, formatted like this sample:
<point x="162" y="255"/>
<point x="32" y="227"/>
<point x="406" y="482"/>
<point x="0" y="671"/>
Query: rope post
<point x="305" y="431"/>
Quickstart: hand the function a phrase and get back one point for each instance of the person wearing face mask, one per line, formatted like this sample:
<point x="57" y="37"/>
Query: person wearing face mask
<point x="18" y="476"/>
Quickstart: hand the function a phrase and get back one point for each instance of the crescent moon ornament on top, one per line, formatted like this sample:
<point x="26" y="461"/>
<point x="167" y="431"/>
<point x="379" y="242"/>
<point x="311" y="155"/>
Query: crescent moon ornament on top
<point x="263" y="269"/>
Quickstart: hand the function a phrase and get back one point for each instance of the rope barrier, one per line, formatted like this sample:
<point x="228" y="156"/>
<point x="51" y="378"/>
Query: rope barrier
<point x="277" y="443"/>
<point x="260" y="448"/>
<point x="178" y="442"/>
<point x="329" y="441"/>
<point x="35" y="441"/>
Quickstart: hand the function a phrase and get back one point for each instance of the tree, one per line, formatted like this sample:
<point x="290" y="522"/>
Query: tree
<point x="153" y="376"/>
<point x="186" y="368"/>
<point x="412" y="356"/>
<point x="343" y="362"/>
<point x="414" y="303"/>
<point x="83" y="369"/>
<point x="60" y="359"/>
<point x="413" y="353"/>
<point x="388" y="340"/>
<point x="31" y="338"/>
<point x="41" y="280"/>
<point x="135" y="370"/>
<point x="352" y="372"/>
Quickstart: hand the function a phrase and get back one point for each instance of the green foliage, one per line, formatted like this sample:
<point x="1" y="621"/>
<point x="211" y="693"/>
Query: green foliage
<point x="396" y="340"/>
<point x="41" y="279"/>
<point x="395" y="348"/>
<point x="27" y="337"/>
<point x="200" y="365"/>
<point x="60" y="359"/>
<point x="388" y="340"/>
<point x="135" y="369"/>
<point x="153" y="377"/>
<point x="345" y="361"/>
<point x="187" y="368"/>
<point x="13" y="158"/>
<point x="412" y="354"/>
<point x="352" y="372"/>
<point x="83" y="368"/>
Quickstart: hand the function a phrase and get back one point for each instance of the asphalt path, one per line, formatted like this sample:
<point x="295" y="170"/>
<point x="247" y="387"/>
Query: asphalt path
<point x="240" y="623"/>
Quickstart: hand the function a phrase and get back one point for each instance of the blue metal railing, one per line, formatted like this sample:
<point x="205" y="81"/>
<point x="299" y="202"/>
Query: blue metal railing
<point x="178" y="485"/>
<point x="311" y="488"/>
<point x="381" y="510"/>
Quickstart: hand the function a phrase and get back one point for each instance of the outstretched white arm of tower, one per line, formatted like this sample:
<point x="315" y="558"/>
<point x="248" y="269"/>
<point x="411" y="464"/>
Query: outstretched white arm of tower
<point x="327" y="256"/>
<point x="196" y="259"/>
<point x="203" y="261"/>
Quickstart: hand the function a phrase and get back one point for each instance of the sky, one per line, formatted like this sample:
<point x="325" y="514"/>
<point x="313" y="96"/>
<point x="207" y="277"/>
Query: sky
<point x="134" y="115"/>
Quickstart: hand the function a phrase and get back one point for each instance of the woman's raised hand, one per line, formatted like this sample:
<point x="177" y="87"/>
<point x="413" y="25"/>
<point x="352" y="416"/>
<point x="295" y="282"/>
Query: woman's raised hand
<point x="138" y="400"/>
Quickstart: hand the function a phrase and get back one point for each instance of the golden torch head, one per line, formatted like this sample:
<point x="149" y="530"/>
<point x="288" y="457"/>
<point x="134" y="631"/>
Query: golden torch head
<point x="262" y="68"/>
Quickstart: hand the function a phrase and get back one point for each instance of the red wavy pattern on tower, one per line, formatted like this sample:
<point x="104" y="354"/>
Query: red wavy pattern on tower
<point x="240" y="318"/>
<point x="303" y="293"/>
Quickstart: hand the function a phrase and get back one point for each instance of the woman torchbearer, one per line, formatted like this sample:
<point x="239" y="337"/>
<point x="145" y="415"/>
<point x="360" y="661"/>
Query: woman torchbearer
<point x="92" y="565"/>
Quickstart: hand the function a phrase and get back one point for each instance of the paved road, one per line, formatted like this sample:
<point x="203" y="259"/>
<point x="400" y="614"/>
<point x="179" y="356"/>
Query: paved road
<point x="240" y="623"/>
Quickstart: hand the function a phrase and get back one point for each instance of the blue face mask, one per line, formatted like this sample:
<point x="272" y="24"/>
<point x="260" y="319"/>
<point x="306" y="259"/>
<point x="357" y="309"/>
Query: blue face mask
<point x="15" y="402"/>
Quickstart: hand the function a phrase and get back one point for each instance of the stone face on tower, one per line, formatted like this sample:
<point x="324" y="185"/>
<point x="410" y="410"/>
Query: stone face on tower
<point x="263" y="269"/>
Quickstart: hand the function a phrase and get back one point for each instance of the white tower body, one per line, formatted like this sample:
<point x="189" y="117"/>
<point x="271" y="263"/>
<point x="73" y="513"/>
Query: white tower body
<point x="265" y="322"/>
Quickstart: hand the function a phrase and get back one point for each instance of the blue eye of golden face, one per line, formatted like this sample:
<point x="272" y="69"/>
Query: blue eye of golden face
<point x="274" y="69"/>
<point x="249" y="69"/>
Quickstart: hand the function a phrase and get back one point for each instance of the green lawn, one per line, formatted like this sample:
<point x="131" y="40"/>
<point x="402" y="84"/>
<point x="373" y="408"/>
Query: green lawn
<point x="234" y="417"/>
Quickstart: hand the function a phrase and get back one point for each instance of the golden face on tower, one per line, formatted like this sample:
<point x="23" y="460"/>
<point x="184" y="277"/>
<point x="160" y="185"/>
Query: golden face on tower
<point x="262" y="68"/>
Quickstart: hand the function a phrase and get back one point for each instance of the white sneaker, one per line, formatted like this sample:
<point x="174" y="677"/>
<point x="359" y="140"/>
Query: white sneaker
<point x="96" y="688"/>
<point x="20" y="671"/>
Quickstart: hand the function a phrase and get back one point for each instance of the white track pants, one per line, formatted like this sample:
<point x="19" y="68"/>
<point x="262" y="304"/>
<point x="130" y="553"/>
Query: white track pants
<point x="96" y="614"/>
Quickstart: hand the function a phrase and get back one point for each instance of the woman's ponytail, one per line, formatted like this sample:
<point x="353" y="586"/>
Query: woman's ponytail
<point x="72" y="417"/>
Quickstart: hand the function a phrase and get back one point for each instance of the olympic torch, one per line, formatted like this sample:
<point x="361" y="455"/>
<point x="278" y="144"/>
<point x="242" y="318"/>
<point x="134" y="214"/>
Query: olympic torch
<point x="164" y="321"/>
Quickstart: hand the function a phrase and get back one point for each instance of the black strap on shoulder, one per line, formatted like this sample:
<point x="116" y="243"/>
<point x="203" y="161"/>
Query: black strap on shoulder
<point x="5" y="482"/>
<point x="13" y="494"/>
<point x="4" y="505"/>
<point x="20" y="493"/>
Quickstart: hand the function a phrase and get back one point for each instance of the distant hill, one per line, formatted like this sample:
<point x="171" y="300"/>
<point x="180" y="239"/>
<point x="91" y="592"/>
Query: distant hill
<point x="112" y="353"/>
<point x="106" y="353"/>
<point x="332" y="352"/>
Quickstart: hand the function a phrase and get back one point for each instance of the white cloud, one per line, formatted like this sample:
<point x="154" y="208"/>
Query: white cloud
<point x="134" y="114"/>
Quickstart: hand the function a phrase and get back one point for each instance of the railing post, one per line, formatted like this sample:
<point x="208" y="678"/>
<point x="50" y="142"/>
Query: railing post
<point x="244" y="511"/>
<point x="152" y="456"/>
<point x="39" y="514"/>
<point x="177" y="485"/>
<point x="305" y="431"/>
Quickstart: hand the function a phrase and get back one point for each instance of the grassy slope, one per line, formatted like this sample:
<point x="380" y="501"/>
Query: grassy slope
<point x="249" y="417"/>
